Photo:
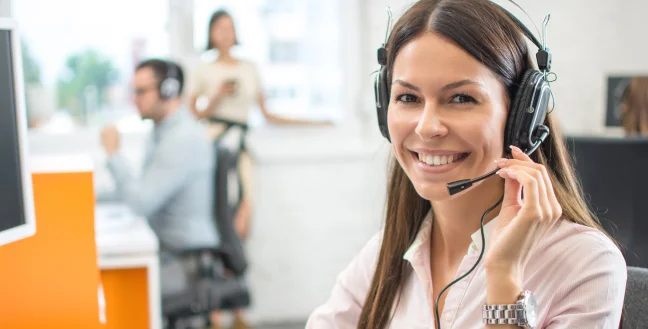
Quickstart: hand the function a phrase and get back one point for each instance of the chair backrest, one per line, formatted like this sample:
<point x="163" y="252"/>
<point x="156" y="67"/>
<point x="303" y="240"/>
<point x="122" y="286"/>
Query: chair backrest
<point x="225" y="208"/>
<point x="636" y="299"/>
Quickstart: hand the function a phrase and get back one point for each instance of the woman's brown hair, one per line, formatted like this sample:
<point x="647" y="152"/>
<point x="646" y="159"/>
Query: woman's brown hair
<point x="634" y="107"/>
<point x="483" y="30"/>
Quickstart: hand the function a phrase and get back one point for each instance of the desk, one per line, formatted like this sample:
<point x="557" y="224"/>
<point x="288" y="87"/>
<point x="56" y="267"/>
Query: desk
<point x="126" y="242"/>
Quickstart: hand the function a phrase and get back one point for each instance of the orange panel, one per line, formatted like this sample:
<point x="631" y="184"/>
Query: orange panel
<point x="126" y="292"/>
<point x="50" y="280"/>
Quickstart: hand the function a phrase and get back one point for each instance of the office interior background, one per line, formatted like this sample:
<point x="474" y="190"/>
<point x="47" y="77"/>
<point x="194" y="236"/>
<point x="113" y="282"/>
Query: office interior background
<point x="319" y="191"/>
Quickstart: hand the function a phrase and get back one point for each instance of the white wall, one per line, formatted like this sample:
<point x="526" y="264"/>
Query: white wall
<point x="318" y="198"/>
<point x="591" y="39"/>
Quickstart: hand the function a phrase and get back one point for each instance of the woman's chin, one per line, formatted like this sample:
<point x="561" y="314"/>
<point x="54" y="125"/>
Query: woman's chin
<point x="433" y="192"/>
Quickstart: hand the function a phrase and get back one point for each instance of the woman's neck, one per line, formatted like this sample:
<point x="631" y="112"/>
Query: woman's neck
<point x="456" y="219"/>
<point x="225" y="56"/>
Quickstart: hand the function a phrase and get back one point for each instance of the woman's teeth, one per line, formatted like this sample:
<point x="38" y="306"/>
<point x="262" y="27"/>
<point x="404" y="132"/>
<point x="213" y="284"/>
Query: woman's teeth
<point x="437" y="160"/>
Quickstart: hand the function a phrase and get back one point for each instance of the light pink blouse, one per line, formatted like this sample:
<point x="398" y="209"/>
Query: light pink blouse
<point x="576" y="273"/>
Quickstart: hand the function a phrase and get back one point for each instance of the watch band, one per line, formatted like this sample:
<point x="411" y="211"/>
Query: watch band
<point x="502" y="314"/>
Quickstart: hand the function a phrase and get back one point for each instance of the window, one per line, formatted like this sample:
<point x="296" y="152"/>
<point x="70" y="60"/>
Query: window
<point x="284" y="52"/>
<point x="295" y="45"/>
<point x="79" y="58"/>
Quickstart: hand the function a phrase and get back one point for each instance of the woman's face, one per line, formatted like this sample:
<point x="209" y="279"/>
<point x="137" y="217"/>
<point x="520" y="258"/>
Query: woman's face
<point x="446" y="115"/>
<point x="222" y="34"/>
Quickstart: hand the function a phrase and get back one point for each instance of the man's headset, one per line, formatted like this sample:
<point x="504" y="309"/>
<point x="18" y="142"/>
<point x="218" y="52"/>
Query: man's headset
<point x="525" y="123"/>
<point x="170" y="85"/>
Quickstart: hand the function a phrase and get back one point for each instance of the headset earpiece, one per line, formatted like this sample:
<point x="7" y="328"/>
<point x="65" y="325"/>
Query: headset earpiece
<point x="381" y="93"/>
<point x="528" y="112"/>
<point x="170" y="85"/>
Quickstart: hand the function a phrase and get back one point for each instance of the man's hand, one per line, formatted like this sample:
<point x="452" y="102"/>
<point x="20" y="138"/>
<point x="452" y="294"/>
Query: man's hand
<point x="110" y="139"/>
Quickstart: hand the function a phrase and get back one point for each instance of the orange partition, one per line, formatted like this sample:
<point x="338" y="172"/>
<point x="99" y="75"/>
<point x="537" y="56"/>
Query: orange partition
<point x="127" y="298"/>
<point x="51" y="280"/>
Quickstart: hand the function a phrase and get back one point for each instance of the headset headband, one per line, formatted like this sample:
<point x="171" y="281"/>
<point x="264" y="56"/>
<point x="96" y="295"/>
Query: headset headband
<point x="543" y="57"/>
<point x="171" y="71"/>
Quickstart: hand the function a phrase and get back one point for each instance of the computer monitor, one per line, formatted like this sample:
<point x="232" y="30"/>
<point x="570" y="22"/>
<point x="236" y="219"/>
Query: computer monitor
<point x="17" y="219"/>
<point x="614" y="176"/>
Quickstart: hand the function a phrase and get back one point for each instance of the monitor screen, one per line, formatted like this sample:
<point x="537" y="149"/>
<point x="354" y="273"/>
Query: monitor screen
<point x="16" y="212"/>
<point x="12" y="212"/>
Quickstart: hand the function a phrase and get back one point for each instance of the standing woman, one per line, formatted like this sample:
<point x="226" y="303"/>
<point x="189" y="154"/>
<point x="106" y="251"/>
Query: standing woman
<point x="232" y="87"/>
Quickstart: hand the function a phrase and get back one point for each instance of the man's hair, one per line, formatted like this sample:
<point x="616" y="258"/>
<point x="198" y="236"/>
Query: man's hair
<point x="162" y="69"/>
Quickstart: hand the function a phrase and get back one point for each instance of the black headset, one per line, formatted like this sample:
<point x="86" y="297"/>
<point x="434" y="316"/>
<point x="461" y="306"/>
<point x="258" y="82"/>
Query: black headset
<point x="524" y="126"/>
<point x="170" y="85"/>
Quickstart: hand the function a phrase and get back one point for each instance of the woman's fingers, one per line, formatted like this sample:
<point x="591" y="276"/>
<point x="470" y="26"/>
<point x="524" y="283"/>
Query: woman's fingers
<point x="522" y="159"/>
<point x="546" y="209"/>
<point x="531" y="204"/>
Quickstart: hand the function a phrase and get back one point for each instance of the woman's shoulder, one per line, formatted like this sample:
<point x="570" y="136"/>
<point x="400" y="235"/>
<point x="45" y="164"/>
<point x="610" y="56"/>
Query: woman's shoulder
<point x="567" y="232"/>
<point x="369" y="253"/>
<point x="360" y="270"/>
<point x="248" y="63"/>
<point x="201" y="63"/>
<point x="569" y="246"/>
<point x="579" y="274"/>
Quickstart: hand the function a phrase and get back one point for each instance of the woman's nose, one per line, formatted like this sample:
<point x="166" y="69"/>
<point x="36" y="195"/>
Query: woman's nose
<point x="430" y="124"/>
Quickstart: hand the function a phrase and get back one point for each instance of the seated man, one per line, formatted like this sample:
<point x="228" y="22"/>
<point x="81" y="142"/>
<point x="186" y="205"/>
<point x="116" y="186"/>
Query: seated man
<point x="175" y="190"/>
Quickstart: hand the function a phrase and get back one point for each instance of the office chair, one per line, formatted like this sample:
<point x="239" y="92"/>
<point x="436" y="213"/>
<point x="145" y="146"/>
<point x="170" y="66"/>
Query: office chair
<point x="636" y="298"/>
<point x="211" y="287"/>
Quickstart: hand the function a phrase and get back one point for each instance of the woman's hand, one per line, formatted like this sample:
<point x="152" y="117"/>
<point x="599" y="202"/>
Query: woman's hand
<point x="226" y="89"/>
<point x="521" y="221"/>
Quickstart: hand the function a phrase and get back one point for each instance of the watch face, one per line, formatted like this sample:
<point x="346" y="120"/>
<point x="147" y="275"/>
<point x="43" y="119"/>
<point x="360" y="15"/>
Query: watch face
<point x="531" y="310"/>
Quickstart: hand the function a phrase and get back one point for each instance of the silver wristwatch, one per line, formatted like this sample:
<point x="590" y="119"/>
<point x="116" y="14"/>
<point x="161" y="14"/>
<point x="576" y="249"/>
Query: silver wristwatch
<point x="524" y="313"/>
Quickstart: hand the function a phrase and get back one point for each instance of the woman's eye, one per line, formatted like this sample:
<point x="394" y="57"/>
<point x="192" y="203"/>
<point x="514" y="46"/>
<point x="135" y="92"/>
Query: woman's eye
<point x="407" y="98"/>
<point x="462" y="98"/>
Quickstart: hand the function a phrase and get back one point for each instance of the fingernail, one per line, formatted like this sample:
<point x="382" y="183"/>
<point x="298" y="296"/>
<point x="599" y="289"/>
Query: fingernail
<point x="500" y="161"/>
<point x="515" y="148"/>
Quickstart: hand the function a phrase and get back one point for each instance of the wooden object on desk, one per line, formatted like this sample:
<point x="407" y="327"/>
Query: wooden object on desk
<point x="51" y="280"/>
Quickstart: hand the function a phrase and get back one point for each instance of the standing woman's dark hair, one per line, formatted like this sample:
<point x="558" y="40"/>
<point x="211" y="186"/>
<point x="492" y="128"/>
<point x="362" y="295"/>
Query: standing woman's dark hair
<point x="216" y="16"/>
<point x="484" y="31"/>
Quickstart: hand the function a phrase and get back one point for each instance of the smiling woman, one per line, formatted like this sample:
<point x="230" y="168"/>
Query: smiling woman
<point x="461" y="98"/>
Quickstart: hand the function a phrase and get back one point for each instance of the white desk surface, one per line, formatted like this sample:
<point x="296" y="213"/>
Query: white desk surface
<point x="119" y="232"/>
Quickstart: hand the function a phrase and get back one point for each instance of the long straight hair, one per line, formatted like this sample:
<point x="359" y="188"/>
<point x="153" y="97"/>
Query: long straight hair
<point x="489" y="35"/>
